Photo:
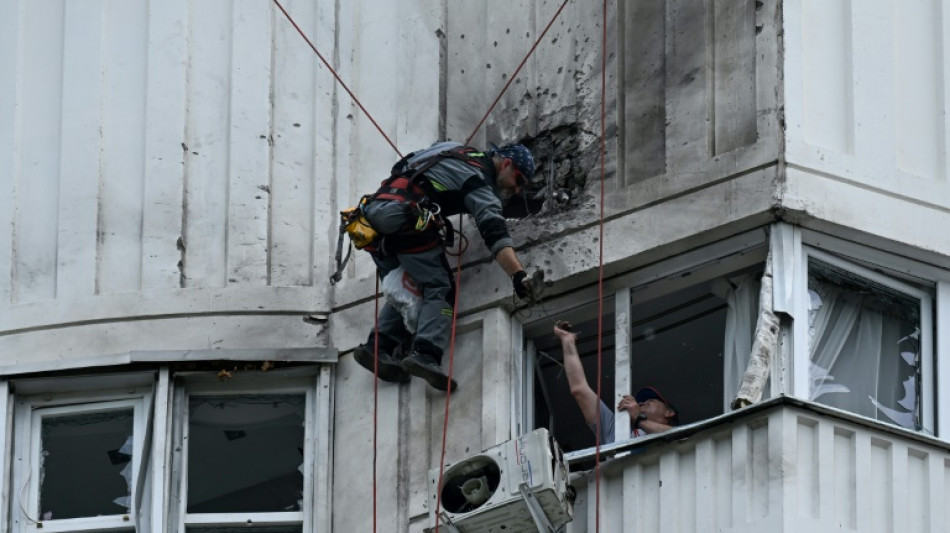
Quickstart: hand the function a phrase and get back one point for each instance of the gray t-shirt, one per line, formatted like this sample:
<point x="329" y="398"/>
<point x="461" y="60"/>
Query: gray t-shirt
<point x="606" y="424"/>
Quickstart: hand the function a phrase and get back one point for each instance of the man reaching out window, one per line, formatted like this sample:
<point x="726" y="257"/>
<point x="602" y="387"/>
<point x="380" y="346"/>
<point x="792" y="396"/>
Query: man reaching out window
<point x="649" y="412"/>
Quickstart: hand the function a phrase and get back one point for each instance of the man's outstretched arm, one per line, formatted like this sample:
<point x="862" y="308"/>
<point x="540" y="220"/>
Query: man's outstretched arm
<point x="585" y="397"/>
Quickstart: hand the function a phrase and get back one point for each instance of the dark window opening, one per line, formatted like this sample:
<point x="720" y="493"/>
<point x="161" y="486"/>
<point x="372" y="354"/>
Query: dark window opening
<point x="245" y="453"/>
<point x="690" y="342"/>
<point x="86" y="450"/>
<point x="554" y="407"/>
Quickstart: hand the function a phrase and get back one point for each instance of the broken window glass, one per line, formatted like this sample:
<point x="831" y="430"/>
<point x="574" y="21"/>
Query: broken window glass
<point x="86" y="450"/>
<point x="864" y="346"/>
<point x="245" y="454"/>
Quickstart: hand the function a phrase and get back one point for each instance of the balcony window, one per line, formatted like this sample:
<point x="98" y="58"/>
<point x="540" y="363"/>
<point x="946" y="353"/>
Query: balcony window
<point x="79" y="452"/>
<point x="244" y="455"/>
<point x="688" y="333"/>
<point x="864" y="336"/>
<point x="158" y="451"/>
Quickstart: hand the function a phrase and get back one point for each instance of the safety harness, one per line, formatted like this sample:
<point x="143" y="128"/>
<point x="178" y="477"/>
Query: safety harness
<point x="408" y="184"/>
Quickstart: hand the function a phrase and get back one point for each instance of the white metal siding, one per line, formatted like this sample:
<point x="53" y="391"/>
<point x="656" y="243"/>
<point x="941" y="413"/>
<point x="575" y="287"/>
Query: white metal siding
<point x="786" y="470"/>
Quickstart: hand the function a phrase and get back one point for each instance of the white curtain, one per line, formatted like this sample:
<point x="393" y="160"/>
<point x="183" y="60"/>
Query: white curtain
<point x="741" y="294"/>
<point x="862" y="358"/>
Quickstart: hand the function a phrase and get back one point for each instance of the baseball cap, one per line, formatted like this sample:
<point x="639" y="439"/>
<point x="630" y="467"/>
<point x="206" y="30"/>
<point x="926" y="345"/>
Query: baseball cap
<point x="519" y="155"/>
<point x="649" y="393"/>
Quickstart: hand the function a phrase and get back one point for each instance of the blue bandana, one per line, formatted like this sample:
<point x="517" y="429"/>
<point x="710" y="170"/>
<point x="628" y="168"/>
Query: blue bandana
<point x="519" y="155"/>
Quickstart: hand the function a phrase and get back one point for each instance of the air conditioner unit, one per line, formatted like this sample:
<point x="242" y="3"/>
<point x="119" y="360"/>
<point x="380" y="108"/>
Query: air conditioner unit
<point x="497" y="490"/>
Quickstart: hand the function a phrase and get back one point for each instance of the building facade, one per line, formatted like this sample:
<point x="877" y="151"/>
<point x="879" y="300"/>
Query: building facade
<point x="174" y="358"/>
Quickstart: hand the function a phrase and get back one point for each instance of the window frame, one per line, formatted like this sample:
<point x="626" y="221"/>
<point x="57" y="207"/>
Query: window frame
<point x="665" y="275"/>
<point x="156" y="470"/>
<point x="45" y="396"/>
<point x="311" y="382"/>
<point x="801" y="357"/>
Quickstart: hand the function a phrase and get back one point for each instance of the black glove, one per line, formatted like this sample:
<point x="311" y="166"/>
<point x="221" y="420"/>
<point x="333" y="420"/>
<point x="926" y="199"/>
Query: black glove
<point x="517" y="281"/>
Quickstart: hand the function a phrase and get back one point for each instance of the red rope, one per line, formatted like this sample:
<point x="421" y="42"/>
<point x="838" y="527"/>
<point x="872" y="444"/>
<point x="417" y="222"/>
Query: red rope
<point x="448" y="393"/>
<point x="375" y="394"/>
<point x="515" y="74"/>
<point x="600" y="275"/>
<point x="337" y="76"/>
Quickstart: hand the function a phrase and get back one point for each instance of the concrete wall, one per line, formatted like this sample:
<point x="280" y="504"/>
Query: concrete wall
<point x="171" y="171"/>
<point x="182" y="162"/>
<point x="867" y="118"/>
<point x="700" y="161"/>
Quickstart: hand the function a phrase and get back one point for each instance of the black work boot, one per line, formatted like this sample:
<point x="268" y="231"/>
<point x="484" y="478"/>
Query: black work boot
<point x="389" y="369"/>
<point x="426" y="366"/>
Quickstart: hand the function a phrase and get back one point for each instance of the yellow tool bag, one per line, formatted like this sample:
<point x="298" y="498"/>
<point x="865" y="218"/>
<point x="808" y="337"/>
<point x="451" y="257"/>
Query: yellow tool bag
<point x="362" y="235"/>
<point x="357" y="227"/>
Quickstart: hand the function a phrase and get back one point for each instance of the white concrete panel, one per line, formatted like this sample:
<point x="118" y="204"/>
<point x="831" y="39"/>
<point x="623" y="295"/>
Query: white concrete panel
<point x="882" y="477"/>
<point x="82" y="149"/>
<point x="38" y="181"/>
<point x="249" y="150"/>
<point x="353" y="466"/>
<point x="689" y="141"/>
<point x="866" y="95"/>
<point x="874" y="84"/>
<point x="419" y="73"/>
<point x="733" y="87"/>
<point x="294" y="184"/>
<point x="806" y="448"/>
<point x="497" y="362"/>
<point x="299" y="301"/>
<point x="122" y="165"/>
<point x="820" y="197"/>
<point x="325" y="120"/>
<point x="214" y="332"/>
<point x="468" y="89"/>
<point x="465" y="405"/>
<point x="164" y="158"/>
<point x="508" y="36"/>
<point x="9" y="145"/>
<point x="206" y="143"/>
<point x="827" y="74"/>
<point x="554" y="68"/>
<point x="919" y="72"/>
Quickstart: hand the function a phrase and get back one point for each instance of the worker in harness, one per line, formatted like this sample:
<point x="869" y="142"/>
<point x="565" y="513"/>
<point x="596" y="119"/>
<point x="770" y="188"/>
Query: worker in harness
<point x="408" y="213"/>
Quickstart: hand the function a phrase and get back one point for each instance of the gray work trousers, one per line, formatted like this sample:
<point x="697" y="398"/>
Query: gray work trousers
<point x="432" y="274"/>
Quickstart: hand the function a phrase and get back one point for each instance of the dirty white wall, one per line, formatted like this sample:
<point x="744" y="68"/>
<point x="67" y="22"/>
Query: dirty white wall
<point x="168" y="167"/>
<point x="867" y="117"/>
<point x="170" y="171"/>
<point x="700" y="139"/>
<point x="182" y="162"/>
